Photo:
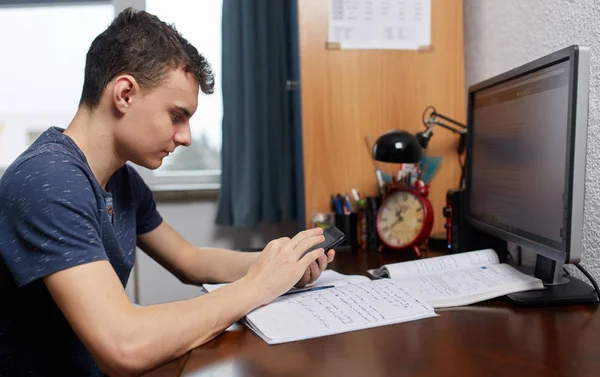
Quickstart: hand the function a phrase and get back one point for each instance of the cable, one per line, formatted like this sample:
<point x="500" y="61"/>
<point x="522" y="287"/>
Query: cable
<point x="462" y="171"/>
<point x="425" y="112"/>
<point x="590" y="278"/>
<point x="460" y="163"/>
<point x="430" y="121"/>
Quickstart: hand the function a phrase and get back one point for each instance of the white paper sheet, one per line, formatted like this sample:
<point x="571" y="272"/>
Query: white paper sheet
<point x="380" y="24"/>
<point x="336" y="310"/>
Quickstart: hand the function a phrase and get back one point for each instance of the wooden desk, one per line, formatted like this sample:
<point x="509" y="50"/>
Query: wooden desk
<point x="491" y="339"/>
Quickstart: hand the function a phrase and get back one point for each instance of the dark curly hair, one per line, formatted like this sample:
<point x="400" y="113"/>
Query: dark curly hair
<point x="141" y="45"/>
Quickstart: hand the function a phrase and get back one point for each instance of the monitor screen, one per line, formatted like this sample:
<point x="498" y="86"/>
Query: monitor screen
<point x="519" y="153"/>
<point x="521" y="138"/>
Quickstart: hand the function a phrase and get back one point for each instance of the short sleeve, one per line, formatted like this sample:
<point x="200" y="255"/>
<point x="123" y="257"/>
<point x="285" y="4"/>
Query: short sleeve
<point x="50" y="218"/>
<point x="147" y="216"/>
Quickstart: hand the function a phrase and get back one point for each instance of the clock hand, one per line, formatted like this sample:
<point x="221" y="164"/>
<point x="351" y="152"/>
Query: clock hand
<point x="400" y="219"/>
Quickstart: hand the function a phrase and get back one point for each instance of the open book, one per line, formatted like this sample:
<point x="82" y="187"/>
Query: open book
<point x="353" y="303"/>
<point x="458" y="279"/>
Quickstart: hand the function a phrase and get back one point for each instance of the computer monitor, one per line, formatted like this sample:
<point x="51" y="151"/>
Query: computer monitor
<point x="525" y="167"/>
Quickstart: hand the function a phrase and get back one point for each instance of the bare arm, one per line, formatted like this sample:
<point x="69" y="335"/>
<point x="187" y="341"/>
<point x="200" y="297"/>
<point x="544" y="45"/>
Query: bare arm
<point x="198" y="265"/>
<point x="128" y="340"/>
<point x="193" y="264"/>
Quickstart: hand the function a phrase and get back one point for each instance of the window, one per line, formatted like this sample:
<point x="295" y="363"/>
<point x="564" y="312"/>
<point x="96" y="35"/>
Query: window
<point x="197" y="166"/>
<point x="42" y="68"/>
<point x="42" y="62"/>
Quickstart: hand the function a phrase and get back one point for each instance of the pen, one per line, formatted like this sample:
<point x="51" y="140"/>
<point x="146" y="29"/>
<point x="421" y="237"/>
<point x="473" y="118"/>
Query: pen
<point x="357" y="198"/>
<point x="379" y="180"/>
<point x="311" y="289"/>
<point x="343" y="204"/>
<point x="336" y="205"/>
<point x="348" y="204"/>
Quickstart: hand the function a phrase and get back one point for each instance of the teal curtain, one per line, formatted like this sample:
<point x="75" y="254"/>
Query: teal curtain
<point x="257" y="181"/>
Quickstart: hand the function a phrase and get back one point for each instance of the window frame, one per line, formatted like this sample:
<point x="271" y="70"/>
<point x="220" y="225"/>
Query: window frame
<point x="180" y="180"/>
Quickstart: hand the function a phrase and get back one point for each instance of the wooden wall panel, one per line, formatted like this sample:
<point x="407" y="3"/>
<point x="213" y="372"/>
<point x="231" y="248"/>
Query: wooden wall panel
<point x="349" y="94"/>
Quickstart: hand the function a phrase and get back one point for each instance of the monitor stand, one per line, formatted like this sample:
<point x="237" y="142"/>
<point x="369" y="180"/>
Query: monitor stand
<point x="560" y="289"/>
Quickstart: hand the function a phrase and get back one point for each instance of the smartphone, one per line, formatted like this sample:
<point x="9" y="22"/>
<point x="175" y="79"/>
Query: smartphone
<point x="333" y="238"/>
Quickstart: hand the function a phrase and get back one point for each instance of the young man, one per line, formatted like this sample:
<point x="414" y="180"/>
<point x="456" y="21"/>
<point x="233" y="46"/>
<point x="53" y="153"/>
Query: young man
<point x="72" y="212"/>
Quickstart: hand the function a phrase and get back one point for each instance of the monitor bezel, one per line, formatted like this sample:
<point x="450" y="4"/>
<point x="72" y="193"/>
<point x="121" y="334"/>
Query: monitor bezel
<point x="572" y="245"/>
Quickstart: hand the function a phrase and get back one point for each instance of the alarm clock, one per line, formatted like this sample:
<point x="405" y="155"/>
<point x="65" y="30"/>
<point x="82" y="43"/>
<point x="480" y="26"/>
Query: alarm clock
<point x="404" y="219"/>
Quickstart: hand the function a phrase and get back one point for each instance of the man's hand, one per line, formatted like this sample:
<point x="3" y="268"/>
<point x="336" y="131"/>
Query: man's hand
<point x="281" y="264"/>
<point x="313" y="271"/>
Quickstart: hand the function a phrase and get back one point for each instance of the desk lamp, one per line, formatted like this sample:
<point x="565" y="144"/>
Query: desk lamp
<point x="399" y="146"/>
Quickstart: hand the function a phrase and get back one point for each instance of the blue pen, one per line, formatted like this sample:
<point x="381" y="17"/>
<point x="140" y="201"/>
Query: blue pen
<point x="343" y="207"/>
<point x="311" y="289"/>
<point x="336" y="205"/>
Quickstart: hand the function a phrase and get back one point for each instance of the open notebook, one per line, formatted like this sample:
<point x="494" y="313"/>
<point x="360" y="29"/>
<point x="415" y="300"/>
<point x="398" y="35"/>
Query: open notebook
<point x="336" y="310"/>
<point x="458" y="279"/>
<point x="355" y="303"/>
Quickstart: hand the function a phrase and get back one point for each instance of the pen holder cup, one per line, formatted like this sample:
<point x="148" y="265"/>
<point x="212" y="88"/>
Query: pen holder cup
<point x="349" y="225"/>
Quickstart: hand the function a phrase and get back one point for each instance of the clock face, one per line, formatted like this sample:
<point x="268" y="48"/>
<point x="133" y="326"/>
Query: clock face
<point x="400" y="219"/>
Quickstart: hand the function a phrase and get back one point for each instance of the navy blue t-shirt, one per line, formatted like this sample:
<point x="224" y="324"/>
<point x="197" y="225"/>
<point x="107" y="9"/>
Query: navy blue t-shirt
<point x="55" y="215"/>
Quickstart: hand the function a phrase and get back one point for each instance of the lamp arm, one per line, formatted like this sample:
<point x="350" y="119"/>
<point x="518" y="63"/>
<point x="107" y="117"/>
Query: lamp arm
<point x="459" y="131"/>
<point x="423" y="137"/>
<point x="436" y="114"/>
<point x="459" y="128"/>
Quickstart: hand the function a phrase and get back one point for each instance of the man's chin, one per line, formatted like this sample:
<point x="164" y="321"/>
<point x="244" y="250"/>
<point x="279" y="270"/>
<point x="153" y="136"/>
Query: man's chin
<point x="152" y="164"/>
<point x="156" y="165"/>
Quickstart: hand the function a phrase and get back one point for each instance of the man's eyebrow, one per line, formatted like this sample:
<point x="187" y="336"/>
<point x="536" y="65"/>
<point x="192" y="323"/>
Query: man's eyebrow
<point x="185" y="111"/>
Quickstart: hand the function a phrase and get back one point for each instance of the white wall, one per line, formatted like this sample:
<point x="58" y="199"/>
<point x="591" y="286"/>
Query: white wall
<point x="194" y="219"/>
<point x="503" y="34"/>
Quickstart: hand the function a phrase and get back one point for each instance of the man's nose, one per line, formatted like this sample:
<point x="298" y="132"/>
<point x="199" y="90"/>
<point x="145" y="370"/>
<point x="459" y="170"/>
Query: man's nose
<point x="183" y="136"/>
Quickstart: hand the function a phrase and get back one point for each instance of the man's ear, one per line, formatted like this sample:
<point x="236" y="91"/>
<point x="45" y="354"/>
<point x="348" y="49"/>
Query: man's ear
<point x="125" y="88"/>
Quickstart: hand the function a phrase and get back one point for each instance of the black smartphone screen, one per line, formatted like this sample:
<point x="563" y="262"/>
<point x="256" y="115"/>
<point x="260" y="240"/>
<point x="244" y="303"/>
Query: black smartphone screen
<point x="333" y="237"/>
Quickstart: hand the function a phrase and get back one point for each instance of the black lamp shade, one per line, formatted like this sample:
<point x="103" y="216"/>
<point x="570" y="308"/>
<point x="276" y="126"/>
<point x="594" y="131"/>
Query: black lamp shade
<point x="397" y="146"/>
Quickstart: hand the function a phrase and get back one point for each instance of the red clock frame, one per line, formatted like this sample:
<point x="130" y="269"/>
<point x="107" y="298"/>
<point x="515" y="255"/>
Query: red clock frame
<point x="425" y="230"/>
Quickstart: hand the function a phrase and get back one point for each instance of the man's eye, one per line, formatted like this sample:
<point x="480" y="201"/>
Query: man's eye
<point x="175" y="117"/>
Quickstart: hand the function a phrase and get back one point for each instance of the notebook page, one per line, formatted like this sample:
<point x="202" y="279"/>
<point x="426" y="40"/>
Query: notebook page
<point x="336" y="310"/>
<point x="431" y="266"/>
<point x="465" y="287"/>
<point x="328" y="277"/>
